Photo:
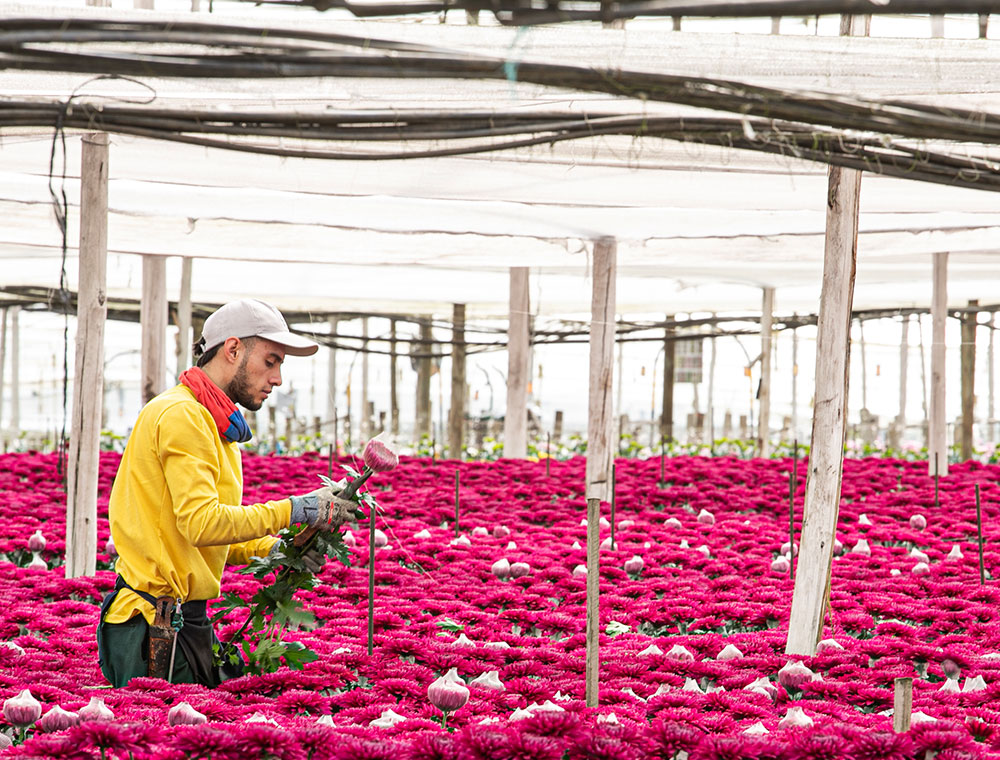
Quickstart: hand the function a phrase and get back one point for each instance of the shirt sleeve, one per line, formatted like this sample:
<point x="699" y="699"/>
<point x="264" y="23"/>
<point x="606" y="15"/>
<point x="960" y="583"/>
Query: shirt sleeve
<point x="191" y="465"/>
<point x="240" y="554"/>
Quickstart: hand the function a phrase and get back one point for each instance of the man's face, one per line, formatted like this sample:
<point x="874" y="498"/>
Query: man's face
<point x="258" y="372"/>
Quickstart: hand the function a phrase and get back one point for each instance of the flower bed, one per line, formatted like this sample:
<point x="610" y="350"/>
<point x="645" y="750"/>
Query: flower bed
<point x="686" y="631"/>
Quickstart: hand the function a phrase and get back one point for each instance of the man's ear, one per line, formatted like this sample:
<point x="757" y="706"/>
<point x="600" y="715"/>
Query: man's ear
<point x="230" y="349"/>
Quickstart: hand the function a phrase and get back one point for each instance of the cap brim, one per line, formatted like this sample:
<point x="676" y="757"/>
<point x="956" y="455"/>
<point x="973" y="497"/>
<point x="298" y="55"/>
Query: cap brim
<point x="293" y="344"/>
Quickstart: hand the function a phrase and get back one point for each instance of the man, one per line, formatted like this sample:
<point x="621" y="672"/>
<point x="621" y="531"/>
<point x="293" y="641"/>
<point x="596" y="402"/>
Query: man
<point x="176" y="509"/>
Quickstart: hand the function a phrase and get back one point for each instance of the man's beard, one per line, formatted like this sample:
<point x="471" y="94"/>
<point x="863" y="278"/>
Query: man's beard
<point x="239" y="389"/>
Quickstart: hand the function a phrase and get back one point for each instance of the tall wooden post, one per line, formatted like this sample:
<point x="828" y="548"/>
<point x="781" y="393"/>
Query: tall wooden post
<point x="88" y="386"/>
<point x="331" y="379"/>
<point x="937" y="448"/>
<point x="600" y="427"/>
<point x="711" y="393"/>
<point x="3" y="363"/>
<point x="864" y="365"/>
<point x="366" y="420"/>
<point x="153" y="317"/>
<point x="184" y="339"/>
<point x="393" y="397"/>
<point x="826" y="457"/>
<point x="968" y="354"/>
<point x="15" y="368"/>
<point x="456" y="414"/>
<point x="989" y="379"/>
<point x="667" y="414"/>
<point x="423" y="349"/>
<point x="515" y="425"/>
<point x="904" y="358"/>
<point x="795" y="381"/>
<point x="764" y="415"/>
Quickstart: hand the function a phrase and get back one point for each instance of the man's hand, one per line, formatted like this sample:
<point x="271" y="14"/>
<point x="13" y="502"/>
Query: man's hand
<point x="322" y="509"/>
<point x="313" y="559"/>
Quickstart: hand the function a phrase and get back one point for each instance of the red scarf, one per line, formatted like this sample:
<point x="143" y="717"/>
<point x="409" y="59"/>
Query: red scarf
<point x="228" y="419"/>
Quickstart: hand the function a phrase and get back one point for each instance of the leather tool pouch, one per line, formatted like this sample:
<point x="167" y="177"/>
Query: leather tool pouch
<point x="161" y="638"/>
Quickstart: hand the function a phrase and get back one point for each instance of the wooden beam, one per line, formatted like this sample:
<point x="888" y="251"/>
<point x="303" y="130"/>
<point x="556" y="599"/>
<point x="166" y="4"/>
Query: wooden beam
<point x="667" y="414"/>
<point x="331" y="381"/>
<point x="989" y="379"/>
<point x="795" y="383"/>
<point x="826" y="456"/>
<point x="937" y="435"/>
<point x="423" y="347"/>
<point x="456" y="414"/>
<point x="515" y="425"/>
<point x="88" y="384"/>
<point x="764" y="398"/>
<point x="902" y="705"/>
<point x="968" y="354"/>
<point x="600" y="427"/>
<point x="153" y="317"/>
<point x="710" y="429"/>
<point x="184" y="339"/>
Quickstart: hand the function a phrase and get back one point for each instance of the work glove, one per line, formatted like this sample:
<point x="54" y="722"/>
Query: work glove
<point x="322" y="509"/>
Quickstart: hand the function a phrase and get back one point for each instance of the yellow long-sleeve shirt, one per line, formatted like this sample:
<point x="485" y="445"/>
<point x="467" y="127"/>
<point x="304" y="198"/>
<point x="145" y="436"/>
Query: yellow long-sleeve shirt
<point x="176" y="509"/>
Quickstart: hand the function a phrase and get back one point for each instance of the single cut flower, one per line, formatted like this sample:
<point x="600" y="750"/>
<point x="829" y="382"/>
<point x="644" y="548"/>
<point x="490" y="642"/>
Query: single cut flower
<point x="380" y="455"/>
<point x="448" y="693"/>
<point x="918" y="522"/>
<point x="501" y="568"/>
<point x="794" y="674"/>
<point x="634" y="566"/>
<point x="519" y="569"/>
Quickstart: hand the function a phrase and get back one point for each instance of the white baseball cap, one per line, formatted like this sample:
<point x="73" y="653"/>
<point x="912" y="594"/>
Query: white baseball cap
<point x="249" y="318"/>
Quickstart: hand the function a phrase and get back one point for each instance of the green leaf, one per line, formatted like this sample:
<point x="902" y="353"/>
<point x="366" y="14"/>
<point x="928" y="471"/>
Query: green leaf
<point x="447" y="624"/>
<point x="615" y="628"/>
<point x="350" y="471"/>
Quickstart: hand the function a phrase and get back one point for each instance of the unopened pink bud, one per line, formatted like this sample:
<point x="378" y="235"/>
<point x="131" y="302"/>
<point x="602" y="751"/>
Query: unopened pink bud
<point x="501" y="568"/>
<point x="183" y="714"/>
<point x="96" y="710"/>
<point x="706" y="518"/>
<point x="519" y="569"/>
<point x="794" y="674"/>
<point x="109" y="548"/>
<point x="918" y="522"/>
<point x="36" y="542"/>
<point x="380" y="455"/>
<point x="448" y="695"/>
<point x="58" y="719"/>
<point x="501" y="531"/>
<point x="22" y="710"/>
<point x="634" y="566"/>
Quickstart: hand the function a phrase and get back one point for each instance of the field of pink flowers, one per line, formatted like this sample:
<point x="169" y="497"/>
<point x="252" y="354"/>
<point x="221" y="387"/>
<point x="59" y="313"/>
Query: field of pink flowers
<point x="693" y="635"/>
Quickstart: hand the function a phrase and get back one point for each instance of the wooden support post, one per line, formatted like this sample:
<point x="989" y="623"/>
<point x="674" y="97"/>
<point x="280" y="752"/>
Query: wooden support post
<point x="989" y="380"/>
<point x="864" y="366"/>
<point x="764" y="415"/>
<point x="393" y="371"/>
<point x="456" y="414"/>
<point x="902" y="704"/>
<point x="593" y="602"/>
<point x="937" y="25"/>
<point x="923" y="382"/>
<point x="600" y="417"/>
<point x="153" y="317"/>
<point x="88" y="385"/>
<point x="979" y="530"/>
<point x="15" y="369"/>
<point x="3" y="363"/>
<point x="984" y="25"/>
<point x="557" y="426"/>
<point x="600" y="428"/>
<point x="904" y="354"/>
<point x="515" y="426"/>
<point x="144" y="4"/>
<point x="423" y="348"/>
<point x="331" y="379"/>
<point x="795" y="381"/>
<point x="184" y="339"/>
<point x="366" y="420"/>
<point x="826" y="457"/>
<point x="667" y="413"/>
<point x="937" y="449"/>
<point x="968" y="361"/>
<point x="711" y="396"/>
